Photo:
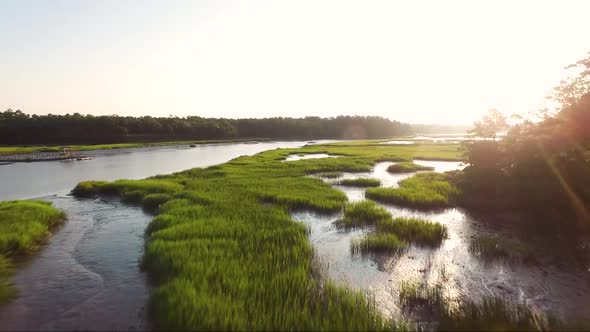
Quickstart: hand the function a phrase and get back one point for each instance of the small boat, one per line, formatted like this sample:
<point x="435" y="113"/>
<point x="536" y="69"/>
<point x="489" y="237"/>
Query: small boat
<point x="84" y="158"/>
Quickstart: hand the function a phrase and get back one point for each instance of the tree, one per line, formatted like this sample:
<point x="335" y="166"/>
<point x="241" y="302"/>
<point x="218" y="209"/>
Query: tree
<point x="490" y="125"/>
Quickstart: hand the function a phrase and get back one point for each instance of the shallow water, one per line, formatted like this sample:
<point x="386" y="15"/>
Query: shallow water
<point x="29" y="180"/>
<point x="87" y="276"/>
<point x="563" y="290"/>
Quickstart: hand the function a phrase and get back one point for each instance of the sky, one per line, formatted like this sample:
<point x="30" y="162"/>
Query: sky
<point x="435" y="62"/>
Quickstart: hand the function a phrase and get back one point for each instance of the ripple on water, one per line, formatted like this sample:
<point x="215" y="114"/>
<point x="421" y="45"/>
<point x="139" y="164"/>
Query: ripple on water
<point x="87" y="277"/>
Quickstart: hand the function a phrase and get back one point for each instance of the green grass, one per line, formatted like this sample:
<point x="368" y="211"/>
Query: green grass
<point x="329" y="175"/>
<point x="360" y="182"/>
<point x="407" y="167"/>
<point x="363" y="213"/>
<point x="378" y="243"/>
<point x="415" y="230"/>
<point x="488" y="314"/>
<point x="491" y="247"/>
<point x="417" y="294"/>
<point x="421" y="191"/>
<point x="225" y="254"/>
<point x="23" y="227"/>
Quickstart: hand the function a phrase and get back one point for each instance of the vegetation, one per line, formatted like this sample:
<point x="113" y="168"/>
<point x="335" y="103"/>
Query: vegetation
<point x="56" y="148"/>
<point x="17" y="127"/>
<point x="421" y="191"/>
<point x="417" y="294"/>
<point x="541" y="168"/>
<point x="222" y="265"/>
<point x="416" y="230"/>
<point x="490" y="314"/>
<point x="360" y="182"/>
<point x="407" y="167"/>
<point x="492" y="247"/>
<point x="23" y="226"/>
<point x="329" y="175"/>
<point x="363" y="213"/>
<point x="378" y="243"/>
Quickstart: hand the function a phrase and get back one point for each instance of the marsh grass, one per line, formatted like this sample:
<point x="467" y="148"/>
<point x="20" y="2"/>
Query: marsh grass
<point x="421" y="191"/>
<point x="492" y="247"/>
<point x="226" y="255"/>
<point x="491" y="314"/>
<point x="363" y="213"/>
<point x="360" y="182"/>
<point x="407" y="167"/>
<point x="415" y="230"/>
<point x="23" y="227"/>
<point x="415" y="294"/>
<point x="378" y="243"/>
<point x="488" y="314"/>
<point x="329" y="175"/>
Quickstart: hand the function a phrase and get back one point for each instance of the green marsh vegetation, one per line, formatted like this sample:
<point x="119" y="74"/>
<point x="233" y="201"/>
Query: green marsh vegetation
<point x="23" y="227"/>
<point x="329" y="175"/>
<point x="492" y="247"/>
<point x="407" y="167"/>
<point x="360" y="182"/>
<point x="421" y="191"/>
<point x="488" y="314"/>
<point x="415" y="230"/>
<point x="392" y="234"/>
<point x="226" y="254"/>
<point x="363" y="213"/>
<point x="378" y="243"/>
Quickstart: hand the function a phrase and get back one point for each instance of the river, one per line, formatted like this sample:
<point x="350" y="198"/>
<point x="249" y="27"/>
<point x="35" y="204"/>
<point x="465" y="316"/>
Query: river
<point x="87" y="276"/>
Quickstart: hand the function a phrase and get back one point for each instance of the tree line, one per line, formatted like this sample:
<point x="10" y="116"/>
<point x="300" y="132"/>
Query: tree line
<point x="17" y="127"/>
<point x="542" y="167"/>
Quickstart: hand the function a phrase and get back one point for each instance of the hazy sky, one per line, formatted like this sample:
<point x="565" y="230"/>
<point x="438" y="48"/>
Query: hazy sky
<point x="414" y="61"/>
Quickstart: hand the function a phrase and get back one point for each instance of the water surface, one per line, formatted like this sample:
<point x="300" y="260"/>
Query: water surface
<point x="562" y="290"/>
<point x="29" y="180"/>
<point x="87" y="276"/>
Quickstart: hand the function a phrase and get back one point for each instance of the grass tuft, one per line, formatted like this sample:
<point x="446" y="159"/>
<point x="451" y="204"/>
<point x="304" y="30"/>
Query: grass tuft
<point x="415" y="230"/>
<point x="421" y="191"/>
<point x="378" y="243"/>
<point x="489" y="314"/>
<point x="407" y="167"/>
<point x="329" y="175"/>
<point x="415" y="294"/>
<point x="360" y="182"/>
<point x="491" y="247"/>
<point x="363" y="213"/>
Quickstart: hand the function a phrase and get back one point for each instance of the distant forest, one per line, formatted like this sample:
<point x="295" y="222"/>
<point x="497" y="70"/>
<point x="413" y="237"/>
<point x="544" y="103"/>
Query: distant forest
<point x="17" y="127"/>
